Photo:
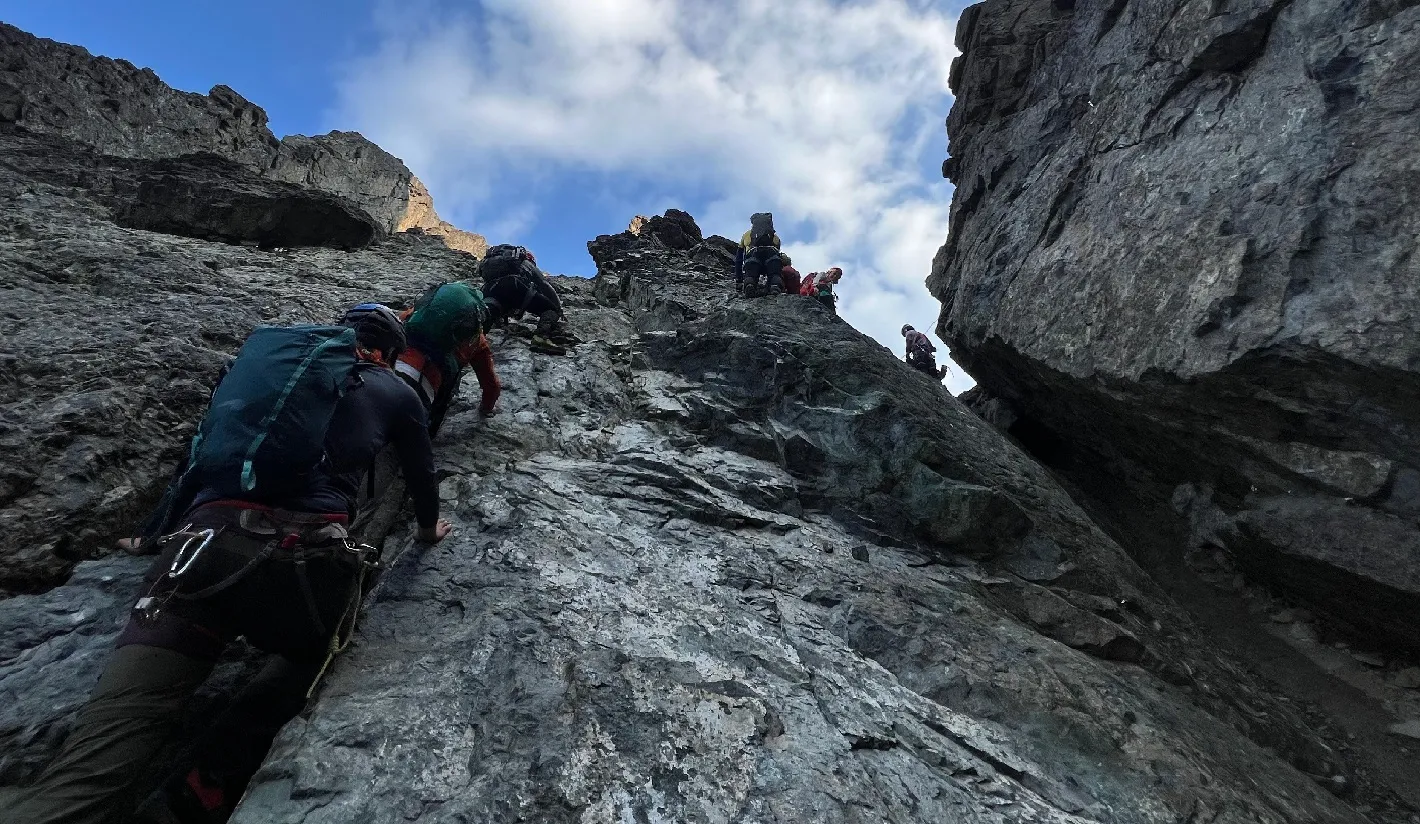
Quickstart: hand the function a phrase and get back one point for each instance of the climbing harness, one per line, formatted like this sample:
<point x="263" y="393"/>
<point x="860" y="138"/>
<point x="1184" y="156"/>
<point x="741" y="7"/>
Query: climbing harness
<point x="530" y="291"/>
<point x="414" y="365"/>
<point x="194" y="542"/>
<point x="296" y="542"/>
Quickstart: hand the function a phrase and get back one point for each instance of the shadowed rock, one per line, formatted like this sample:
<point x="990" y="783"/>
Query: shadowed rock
<point x="1183" y="254"/>
<point x="206" y="197"/>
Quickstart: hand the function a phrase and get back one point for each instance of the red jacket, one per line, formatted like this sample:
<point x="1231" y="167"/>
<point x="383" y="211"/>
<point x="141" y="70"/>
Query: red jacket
<point x="427" y="374"/>
<point x="790" y="277"/>
<point x="479" y="355"/>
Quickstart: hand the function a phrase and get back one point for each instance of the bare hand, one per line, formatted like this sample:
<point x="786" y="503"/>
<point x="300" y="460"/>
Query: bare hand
<point x="434" y="534"/>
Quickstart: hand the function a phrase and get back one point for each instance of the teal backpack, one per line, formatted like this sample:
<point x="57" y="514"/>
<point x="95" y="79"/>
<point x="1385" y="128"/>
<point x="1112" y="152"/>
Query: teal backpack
<point x="264" y="431"/>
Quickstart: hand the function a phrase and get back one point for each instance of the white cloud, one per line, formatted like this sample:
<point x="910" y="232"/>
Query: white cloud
<point x="819" y="111"/>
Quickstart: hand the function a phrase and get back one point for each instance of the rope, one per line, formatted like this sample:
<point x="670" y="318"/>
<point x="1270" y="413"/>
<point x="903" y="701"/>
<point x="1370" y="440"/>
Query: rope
<point x="346" y="627"/>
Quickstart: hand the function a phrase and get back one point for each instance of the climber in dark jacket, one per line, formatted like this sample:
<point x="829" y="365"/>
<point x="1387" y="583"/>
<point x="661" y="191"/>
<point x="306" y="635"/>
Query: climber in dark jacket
<point x="513" y="284"/>
<point x="759" y="255"/>
<point x="284" y="574"/>
<point x="922" y="353"/>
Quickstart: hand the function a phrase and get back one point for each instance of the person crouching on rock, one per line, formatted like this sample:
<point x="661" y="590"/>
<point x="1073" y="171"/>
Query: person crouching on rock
<point x="759" y="255"/>
<point x="514" y="285"/>
<point x="264" y="553"/>
<point x="789" y="277"/>
<point x="446" y="334"/>
<point x="921" y="353"/>
<point x="820" y="285"/>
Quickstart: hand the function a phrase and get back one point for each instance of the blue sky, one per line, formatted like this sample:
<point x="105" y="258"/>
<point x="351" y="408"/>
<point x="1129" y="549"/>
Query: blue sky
<point x="547" y="122"/>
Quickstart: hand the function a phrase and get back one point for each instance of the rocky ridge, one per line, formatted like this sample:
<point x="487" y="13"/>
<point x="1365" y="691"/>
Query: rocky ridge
<point x="121" y="110"/>
<point x="1182" y="269"/>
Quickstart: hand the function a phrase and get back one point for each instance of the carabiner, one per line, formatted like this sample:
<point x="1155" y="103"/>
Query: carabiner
<point x="180" y="564"/>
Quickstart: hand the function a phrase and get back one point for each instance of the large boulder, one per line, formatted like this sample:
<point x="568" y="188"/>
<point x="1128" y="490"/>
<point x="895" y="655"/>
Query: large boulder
<point x="1183" y="256"/>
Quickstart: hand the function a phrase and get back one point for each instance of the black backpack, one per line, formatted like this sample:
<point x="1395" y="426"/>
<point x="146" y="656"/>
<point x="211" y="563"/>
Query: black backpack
<point x="503" y="260"/>
<point x="761" y="229"/>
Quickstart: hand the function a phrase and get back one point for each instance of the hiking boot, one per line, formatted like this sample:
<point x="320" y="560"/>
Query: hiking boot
<point x="545" y="346"/>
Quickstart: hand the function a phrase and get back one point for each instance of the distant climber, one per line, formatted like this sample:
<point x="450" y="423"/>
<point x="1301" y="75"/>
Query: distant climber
<point x="789" y="276"/>
<point x="759" y="255"/>
<point x="445" y="328"/>
<point x="921" y="353"/>
<point x="820" y="285"/>
<point x="513" y="285"/>
<point x="264" y="553"/>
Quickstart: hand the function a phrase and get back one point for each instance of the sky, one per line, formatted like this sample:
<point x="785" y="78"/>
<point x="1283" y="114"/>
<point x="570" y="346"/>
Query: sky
<point x="548" y="122"/>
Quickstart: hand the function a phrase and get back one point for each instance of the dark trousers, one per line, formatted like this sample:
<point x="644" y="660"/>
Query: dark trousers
<point x="922" y="360"/>
<point x="132" y="716"/>
<point x="289" y="604"/>
<point x="517" y="295"/>
<point x="764" y="260"/>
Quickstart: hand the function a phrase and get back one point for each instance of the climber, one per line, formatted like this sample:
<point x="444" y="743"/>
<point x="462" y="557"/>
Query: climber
<point x="513" y="284"/>
<point x="820" y="285"/>
<point x="921" y="353"/>
<point x="446" y="333"/>
<point x="789" y="276"/>
<point x="264" y="553"/>
<point x="759" y="255"/>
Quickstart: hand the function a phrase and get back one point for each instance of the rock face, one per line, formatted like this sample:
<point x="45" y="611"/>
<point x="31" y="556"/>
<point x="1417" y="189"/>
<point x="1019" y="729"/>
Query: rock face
<point x="420" y="218"/>
<point x="701" y="572"/>
<point x="112" y="335"/>
<point x="118" y="109"/>
<point x="1182" y="270"/>
<point x="676" y="229"/>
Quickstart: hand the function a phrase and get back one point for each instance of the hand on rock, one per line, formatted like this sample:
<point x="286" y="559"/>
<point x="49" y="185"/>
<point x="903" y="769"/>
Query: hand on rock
<point x="434" y="534"/>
